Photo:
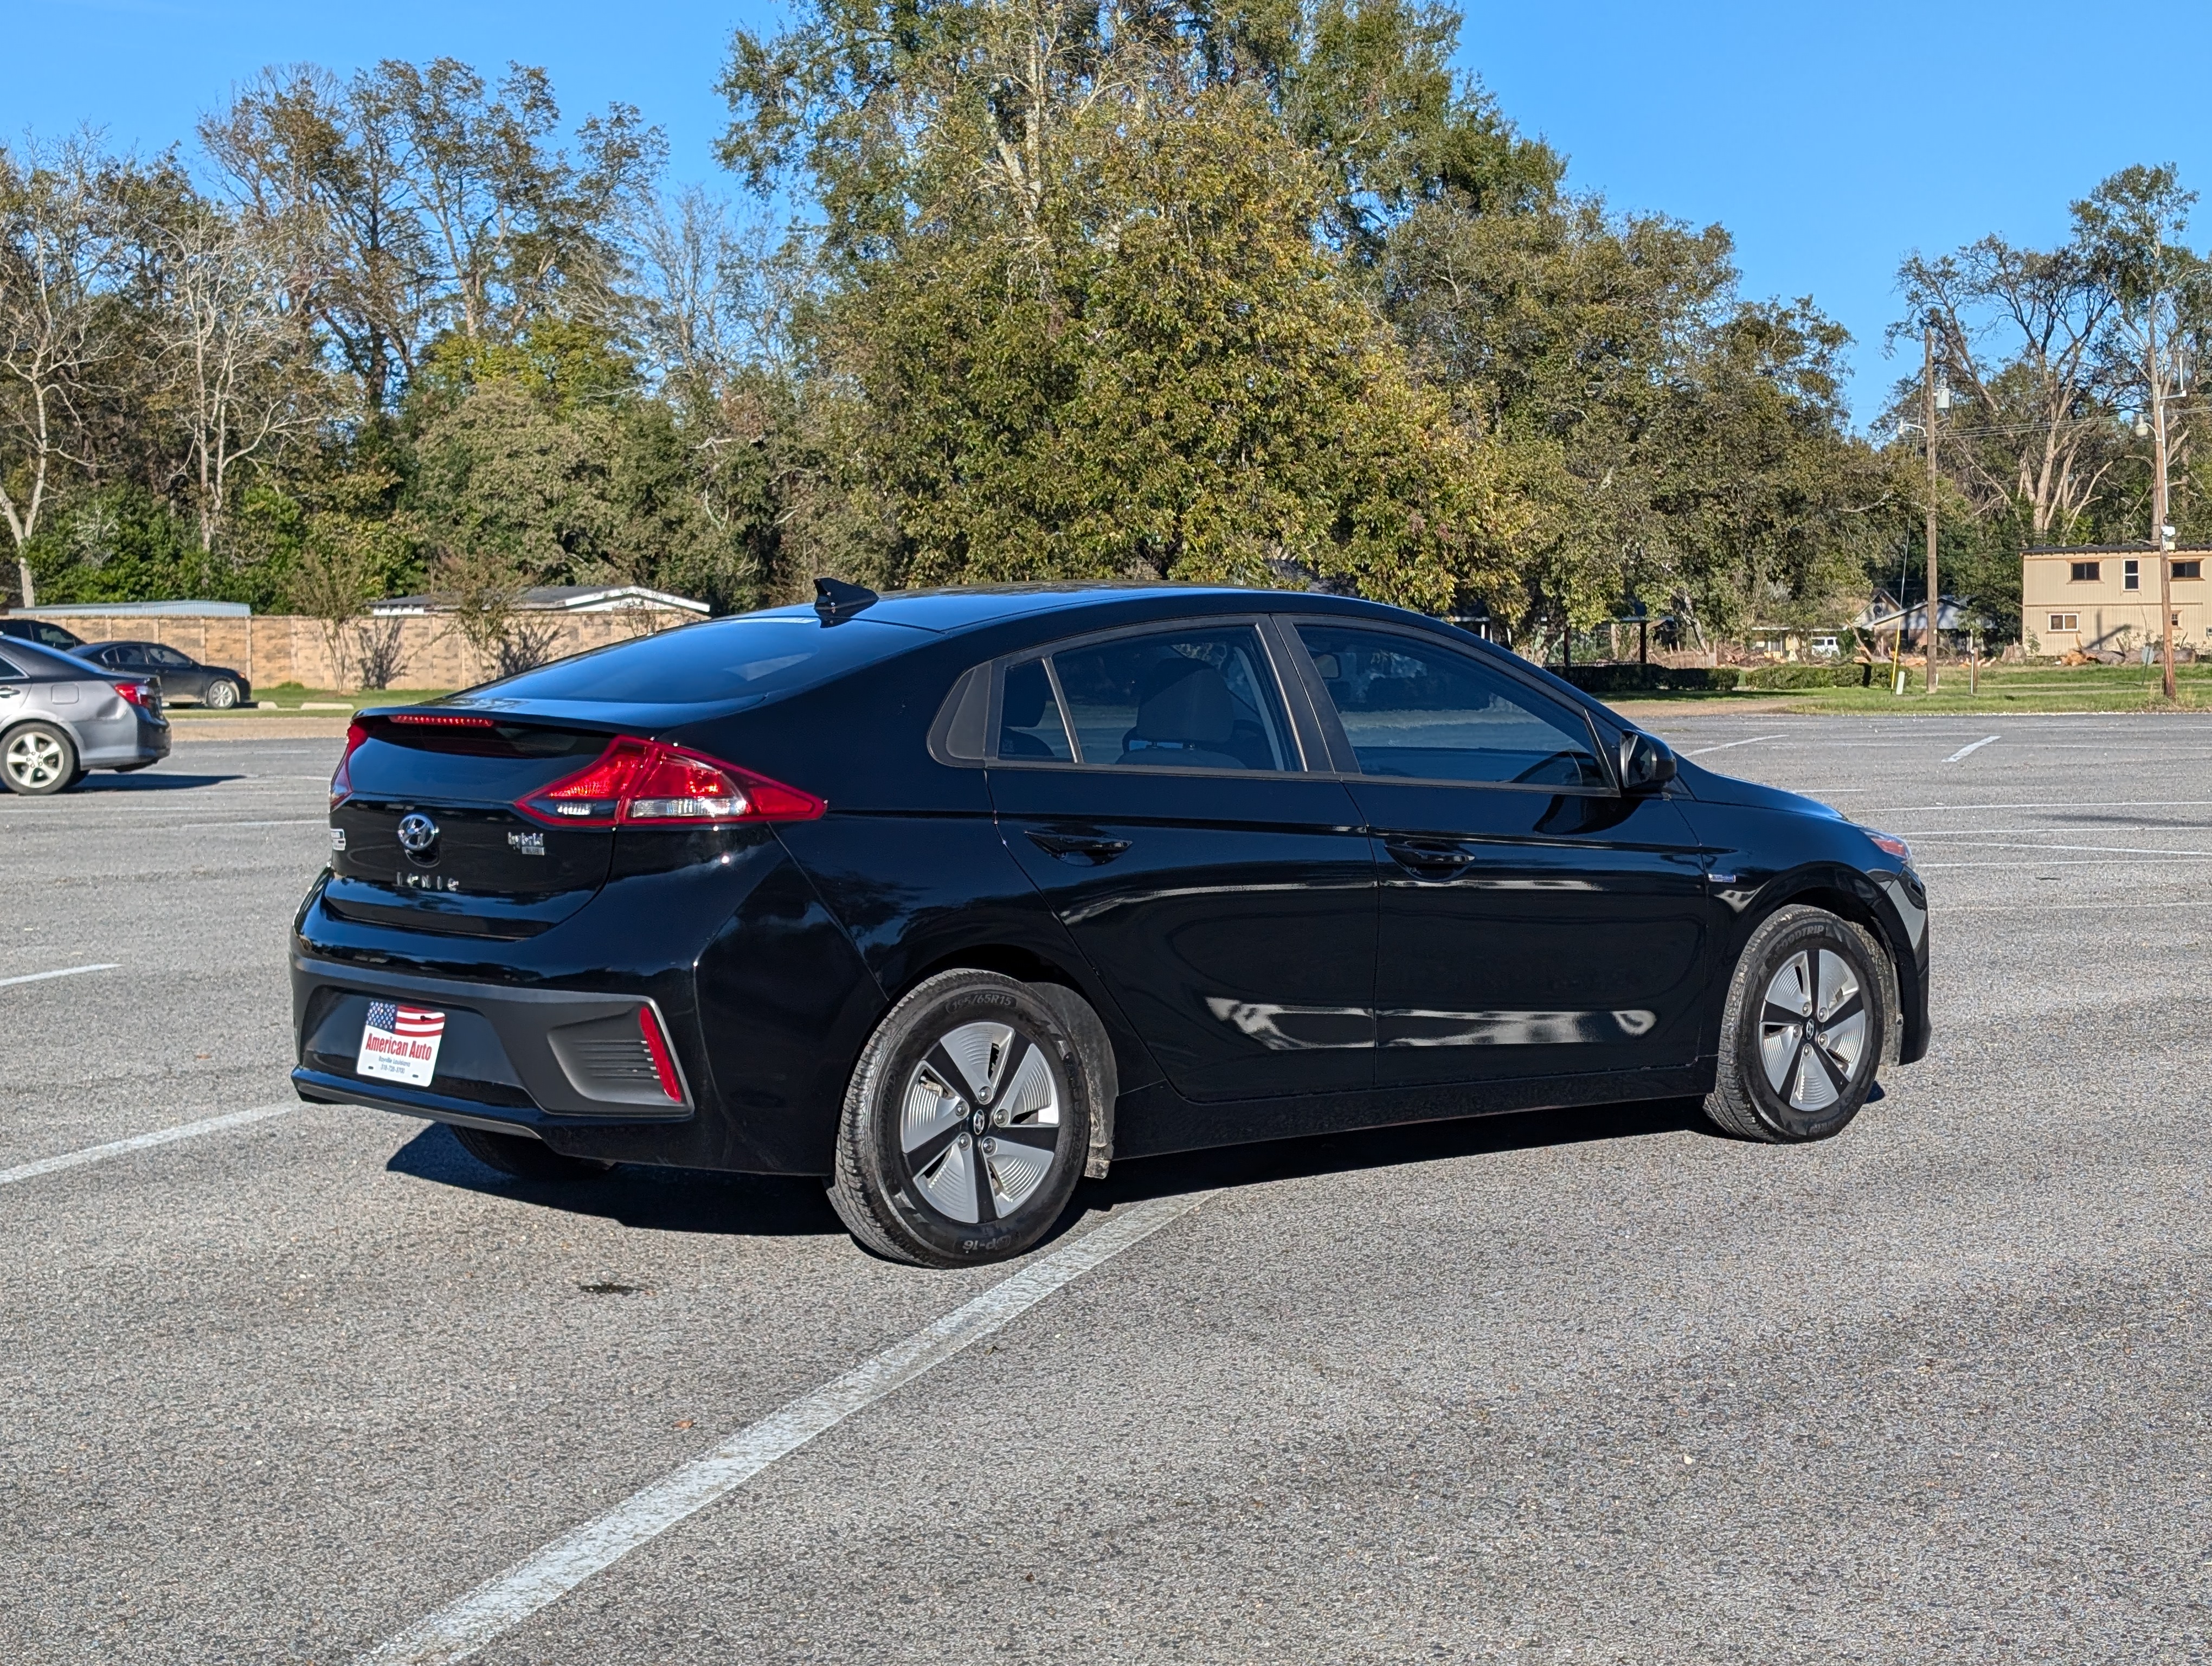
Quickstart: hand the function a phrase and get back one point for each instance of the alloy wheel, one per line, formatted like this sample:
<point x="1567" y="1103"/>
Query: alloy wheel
<point x="1812" y="1029"/>
<point x="34" y="760"/>
<point x="979" y="1122"/>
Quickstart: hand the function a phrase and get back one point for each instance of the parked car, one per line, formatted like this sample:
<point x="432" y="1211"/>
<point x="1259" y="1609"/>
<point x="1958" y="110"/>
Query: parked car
<point x="952" y="897"/>
<point x="183" y="677"/>
<point x="40" y="631"/>
<point x="61" y="717"/>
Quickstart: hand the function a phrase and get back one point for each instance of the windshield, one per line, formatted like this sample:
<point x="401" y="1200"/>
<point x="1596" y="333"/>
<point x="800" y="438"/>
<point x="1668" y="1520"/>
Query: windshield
<point x="758" y="656"/>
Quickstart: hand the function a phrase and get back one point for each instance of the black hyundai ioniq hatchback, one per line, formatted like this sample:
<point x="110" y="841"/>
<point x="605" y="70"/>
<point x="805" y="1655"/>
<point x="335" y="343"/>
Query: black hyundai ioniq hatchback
<point x="953" y="897"/>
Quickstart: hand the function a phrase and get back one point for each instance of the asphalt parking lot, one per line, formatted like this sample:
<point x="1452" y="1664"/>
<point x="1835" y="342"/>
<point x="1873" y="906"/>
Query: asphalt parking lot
<point x="1551" y="1388"/>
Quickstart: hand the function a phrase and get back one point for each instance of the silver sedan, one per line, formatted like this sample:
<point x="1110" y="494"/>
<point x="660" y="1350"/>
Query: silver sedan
<point x="61" y="717"/>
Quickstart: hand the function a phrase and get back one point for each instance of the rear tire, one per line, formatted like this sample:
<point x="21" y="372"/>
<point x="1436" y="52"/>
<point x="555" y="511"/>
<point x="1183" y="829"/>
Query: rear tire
<point x="38" y="760"/>
<point x="966" y="1125"/>
<point x="526" y="1158"/>
<point x="1805" y="1030"/>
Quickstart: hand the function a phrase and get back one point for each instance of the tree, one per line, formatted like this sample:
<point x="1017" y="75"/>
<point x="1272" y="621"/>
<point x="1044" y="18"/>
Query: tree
<point x="63" y="248"/>
<point x="224" y="331"/>
<point x="1077" y="289"/>
<point x="2040" y="439"/>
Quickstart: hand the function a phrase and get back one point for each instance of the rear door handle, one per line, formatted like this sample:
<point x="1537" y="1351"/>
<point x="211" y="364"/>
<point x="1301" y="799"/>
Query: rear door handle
<point x="1429" y="859"/>
<point x="1086" y="848"/>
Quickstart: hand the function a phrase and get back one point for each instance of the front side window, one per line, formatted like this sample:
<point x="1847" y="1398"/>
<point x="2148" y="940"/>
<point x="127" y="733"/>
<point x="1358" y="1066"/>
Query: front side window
<point x="168" y="657"/>
<point x="1420" y="711"/>
<point x="2087" y="572"/>
<point x="1195" y="698"/>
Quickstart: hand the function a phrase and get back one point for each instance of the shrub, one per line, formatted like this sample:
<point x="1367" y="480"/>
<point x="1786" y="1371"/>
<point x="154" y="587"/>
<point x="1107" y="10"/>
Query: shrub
<point x="1653" y="679"/>
<point x="1852" y="676"/>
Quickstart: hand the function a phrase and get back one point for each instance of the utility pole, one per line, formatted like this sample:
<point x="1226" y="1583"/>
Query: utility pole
<point x="2161" y="529"/>
<point x="1928" y="430"/>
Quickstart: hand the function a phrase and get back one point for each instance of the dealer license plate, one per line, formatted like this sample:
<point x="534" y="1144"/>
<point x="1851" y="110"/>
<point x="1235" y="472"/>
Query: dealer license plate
<point x="400" y="1044"/>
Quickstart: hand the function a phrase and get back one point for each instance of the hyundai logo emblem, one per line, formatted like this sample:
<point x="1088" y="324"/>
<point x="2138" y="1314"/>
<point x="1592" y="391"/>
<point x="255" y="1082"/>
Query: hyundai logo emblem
<point x="418" y="834"/>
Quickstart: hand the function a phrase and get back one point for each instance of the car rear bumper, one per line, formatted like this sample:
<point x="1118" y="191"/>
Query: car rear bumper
<point x="525" y="1060"/>
<point x="124" y="741"/>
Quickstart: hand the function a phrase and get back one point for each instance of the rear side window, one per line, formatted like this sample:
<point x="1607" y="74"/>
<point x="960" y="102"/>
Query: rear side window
<point x="1425" y="713"/>
<point x="759" y="655"/>
<point x="8" y="668"/>
<point x="1030" y="723"/>
<point x="1202" y="698"/>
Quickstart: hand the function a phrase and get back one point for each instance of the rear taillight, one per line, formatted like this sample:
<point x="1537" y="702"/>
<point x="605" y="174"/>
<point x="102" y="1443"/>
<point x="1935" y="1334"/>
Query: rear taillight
<point x="664" y="1064"/>
<point x="138" y="695"/>
<point x="342" y="777"/>
<point x="441" y="720"/>
<point x="647" y="783"/>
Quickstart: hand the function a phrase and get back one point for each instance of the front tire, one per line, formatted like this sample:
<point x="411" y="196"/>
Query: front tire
<point x="38" y="760"/>
<point x="221" y="694"/>
<point x="966" y="1125"/>
<point x="525" y="1159"/>
<point x="1805" y="1029"/>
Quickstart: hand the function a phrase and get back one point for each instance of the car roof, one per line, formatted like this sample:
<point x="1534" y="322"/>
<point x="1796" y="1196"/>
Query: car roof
<point x="965" y="607"/>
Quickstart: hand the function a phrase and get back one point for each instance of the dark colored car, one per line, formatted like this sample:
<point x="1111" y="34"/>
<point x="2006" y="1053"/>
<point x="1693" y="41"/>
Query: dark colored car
<point x="61" y="717"/>
<point x="952" y="897"/>
<point x="40" y="631"/>
<point x="183" y="677"/>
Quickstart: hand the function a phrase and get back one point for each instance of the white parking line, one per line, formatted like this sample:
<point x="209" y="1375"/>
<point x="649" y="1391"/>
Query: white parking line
<point x="1970" y="750"/>
<point x="140" y="1141"/>
<point x="1725" y="745"/>
<point x="458" y="1630"/>
<point x="66" y="971"/>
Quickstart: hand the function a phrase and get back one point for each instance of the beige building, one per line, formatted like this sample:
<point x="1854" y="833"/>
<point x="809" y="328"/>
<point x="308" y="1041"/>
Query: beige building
<point x="2105" y="596"/>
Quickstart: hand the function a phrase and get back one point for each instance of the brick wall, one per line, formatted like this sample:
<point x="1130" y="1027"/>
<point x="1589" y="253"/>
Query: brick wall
<point x="281" y="647"/>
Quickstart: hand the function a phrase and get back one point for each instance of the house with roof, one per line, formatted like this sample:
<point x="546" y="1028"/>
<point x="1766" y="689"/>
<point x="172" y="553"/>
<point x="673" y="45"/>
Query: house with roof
<point x="2103" y="598"/>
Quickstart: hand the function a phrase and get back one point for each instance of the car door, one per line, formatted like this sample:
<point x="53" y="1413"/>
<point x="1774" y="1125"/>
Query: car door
<point x="1534" y="920"/>
<point x="1153" y="786"/>
<point x="181" y="677"/>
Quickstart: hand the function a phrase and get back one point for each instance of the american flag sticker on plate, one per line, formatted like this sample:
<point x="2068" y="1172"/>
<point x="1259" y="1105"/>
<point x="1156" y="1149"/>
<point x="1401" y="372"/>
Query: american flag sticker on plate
<point x="400" y="1044"/>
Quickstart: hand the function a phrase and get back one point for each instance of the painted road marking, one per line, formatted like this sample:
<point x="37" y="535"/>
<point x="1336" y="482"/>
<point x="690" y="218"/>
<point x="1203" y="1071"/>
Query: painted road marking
<point x="1969" y="750"/>
<point x="141" y="1141"/>
<point x="1725" y="745"/>
<point x="462" y="1627"/>
<point x="66" y="971"/>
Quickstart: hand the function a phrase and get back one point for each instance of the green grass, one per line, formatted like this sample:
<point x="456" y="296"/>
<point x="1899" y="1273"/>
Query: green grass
<point x="2003" y="688"/>
<point x="286" y="699"/>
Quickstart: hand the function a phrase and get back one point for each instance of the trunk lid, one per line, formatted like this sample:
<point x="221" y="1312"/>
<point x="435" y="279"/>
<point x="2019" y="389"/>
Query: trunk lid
<point x="428" y="838"/>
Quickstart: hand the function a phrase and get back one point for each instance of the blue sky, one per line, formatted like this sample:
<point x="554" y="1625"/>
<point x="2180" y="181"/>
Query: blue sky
<point x="1828" y="139"/>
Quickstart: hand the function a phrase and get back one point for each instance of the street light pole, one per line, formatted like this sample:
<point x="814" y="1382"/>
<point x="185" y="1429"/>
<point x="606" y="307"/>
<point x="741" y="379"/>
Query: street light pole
<point x="1927" y="427"/>
<point x="2159" y="521"/>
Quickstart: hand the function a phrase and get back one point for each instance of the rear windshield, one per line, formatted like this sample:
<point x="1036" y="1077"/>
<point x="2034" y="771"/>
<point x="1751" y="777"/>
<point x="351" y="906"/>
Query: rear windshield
<point x="759" y="656"/>
<point x="33" y="660"/>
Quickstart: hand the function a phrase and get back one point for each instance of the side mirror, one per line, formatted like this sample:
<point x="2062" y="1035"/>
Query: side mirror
<point x="1646" y="764"/>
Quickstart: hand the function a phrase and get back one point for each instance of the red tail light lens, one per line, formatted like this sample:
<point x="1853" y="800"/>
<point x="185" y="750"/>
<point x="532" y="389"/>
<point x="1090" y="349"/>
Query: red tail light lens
<point x="646" y="783"/>
<point x="137" y="694"/>
<point x="664" y="1065"/>
<point x="342" y="777"/>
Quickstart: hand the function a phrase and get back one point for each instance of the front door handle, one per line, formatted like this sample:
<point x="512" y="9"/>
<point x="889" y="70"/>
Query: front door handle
<point x="1088" y="849"/>
<point x="1429" y="859"/>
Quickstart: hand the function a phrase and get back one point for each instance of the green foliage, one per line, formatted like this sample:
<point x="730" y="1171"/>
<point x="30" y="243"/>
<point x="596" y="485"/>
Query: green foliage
<point x="1617" y="680"/>
<point x="1852" y="676"/>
